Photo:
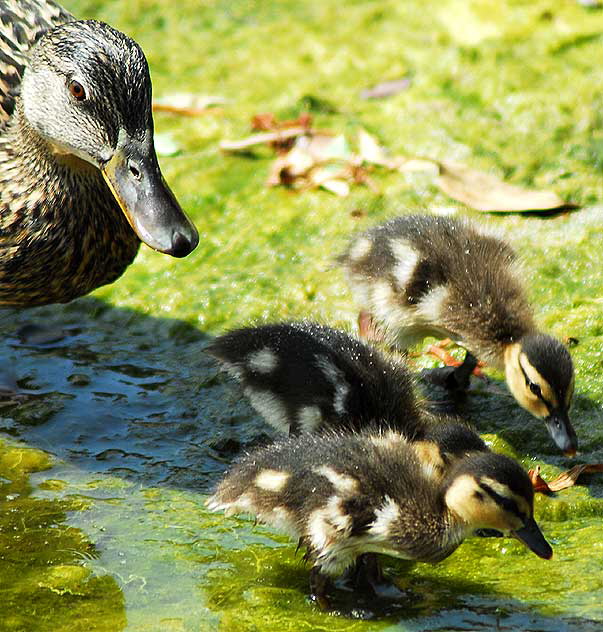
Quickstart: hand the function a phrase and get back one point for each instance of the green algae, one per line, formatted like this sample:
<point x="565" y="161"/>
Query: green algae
<point x="42" y="583"/>
<point x="125" y="425"/>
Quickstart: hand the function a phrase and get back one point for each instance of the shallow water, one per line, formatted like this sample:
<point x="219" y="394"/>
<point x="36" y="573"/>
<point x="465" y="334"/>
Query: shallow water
<point x="119" y="425"/>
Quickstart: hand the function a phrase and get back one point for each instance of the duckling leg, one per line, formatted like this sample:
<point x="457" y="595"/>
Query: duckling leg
<point x="319" y="585"/>
<point x="461" y="375"/>
<point x="368" y="575"/>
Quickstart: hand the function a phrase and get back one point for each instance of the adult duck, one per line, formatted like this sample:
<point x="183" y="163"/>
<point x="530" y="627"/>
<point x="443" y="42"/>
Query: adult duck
<point x="80" y="185"/>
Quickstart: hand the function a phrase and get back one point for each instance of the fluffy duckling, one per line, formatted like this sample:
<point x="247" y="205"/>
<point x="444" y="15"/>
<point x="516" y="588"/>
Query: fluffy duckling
<point x="345" y="495"/>
<point x="421" y="275"/>
<point x="306" y="377"/>
<point x="303" y="376"/>
<point x="80" y="185"/>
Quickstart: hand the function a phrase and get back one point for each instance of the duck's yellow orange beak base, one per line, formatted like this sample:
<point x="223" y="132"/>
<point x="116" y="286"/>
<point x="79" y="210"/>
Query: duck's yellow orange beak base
<point x="134" y="177"/>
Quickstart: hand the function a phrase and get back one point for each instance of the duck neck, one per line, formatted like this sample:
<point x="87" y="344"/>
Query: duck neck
<point x="63" y="232"/>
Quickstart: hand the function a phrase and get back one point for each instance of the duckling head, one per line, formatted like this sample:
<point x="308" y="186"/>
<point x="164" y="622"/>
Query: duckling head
<point x="443" y="445"/>
<point x="491" y="491"/>
<point x="540" y="374"/>
<point x="86" y="92"/>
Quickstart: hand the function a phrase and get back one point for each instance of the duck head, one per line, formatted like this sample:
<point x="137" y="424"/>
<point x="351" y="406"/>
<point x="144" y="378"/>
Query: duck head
<point x="491" y="491"/>
<point x="87" y="92"/>
<point x="540" y="374"/>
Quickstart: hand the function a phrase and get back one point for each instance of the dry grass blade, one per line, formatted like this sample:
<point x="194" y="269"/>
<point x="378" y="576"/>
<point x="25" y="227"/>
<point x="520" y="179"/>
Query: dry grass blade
<point x="485" y="192"/>
<point x="262" y="138"/>
<point x="186" y="104"/>
<point x="386" y="89"/>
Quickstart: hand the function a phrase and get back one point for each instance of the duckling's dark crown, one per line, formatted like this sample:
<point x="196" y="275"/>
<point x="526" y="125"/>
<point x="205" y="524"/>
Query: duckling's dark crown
<point x="105" y="58"/>
<point x="551" y="359"/>
<point x="496" y="467"/>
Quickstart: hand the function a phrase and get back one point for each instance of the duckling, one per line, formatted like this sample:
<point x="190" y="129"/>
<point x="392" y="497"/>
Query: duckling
<point x="421" y="275"/>
<point x="307" y="377"/>
<point x="80" y="185"/>
<point x="348" y="494"/>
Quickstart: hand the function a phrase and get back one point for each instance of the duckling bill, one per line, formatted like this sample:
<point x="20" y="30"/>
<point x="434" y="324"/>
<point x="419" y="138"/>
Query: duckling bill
<point x="421" y="275"/>
<point x="345" y="495"/>
<point x="80" y="184"/>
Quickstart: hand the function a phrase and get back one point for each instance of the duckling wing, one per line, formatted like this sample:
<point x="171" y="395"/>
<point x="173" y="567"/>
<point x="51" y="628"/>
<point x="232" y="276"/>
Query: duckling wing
<point x="22" y="22"/>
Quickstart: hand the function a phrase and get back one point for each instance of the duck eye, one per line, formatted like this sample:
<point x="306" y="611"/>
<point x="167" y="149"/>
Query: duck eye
<point x="77" y="90"/>
<point x="535" y="388"/>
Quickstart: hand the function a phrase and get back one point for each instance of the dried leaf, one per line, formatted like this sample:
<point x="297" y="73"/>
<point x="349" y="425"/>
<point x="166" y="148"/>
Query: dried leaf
<point x="188" y="104"/>
<point x="386" y="89"/>
<point x="485" y="192"/>
<point x="564" y="480"/>
<point x="266" y="121"/>
<point x="262" y="138"/>
<point x="336" y="186"/>
<point x="569" y="478"/>
<point x="337" y="148"/>
<point x="411" y="165"/>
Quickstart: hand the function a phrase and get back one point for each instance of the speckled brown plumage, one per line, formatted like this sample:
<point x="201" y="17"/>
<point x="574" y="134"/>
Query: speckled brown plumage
<point x="62" y="233"/>
<point x="22" y="23"/>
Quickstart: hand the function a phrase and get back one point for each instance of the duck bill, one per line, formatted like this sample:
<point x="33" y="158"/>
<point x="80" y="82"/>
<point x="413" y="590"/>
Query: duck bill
<point x="134" y="178"/>
<point x="531" y="535"/>
<point x="561" y="430"/>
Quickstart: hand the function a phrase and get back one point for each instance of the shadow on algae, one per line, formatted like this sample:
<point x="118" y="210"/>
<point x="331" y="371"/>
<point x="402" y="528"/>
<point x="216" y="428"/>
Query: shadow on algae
<point x="112" y="442"/>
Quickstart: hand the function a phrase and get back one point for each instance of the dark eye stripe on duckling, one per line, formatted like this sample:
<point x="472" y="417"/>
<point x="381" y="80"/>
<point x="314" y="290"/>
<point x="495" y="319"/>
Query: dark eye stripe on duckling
<point x="537" y="388"/>
<point x="508" y="504"/>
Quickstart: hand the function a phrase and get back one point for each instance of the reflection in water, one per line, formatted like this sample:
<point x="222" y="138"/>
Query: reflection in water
<point x="142" y="425"/>
<point x="44" y="580"/>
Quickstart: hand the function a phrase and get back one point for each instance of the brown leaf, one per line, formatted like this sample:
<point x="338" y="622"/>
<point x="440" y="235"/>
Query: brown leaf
<point x="266" y="121"/>
<point x="485" y="192"/>
<point x="538" y="483"/>
<point x="569" y="478"/>
<point x="564" y="480"/>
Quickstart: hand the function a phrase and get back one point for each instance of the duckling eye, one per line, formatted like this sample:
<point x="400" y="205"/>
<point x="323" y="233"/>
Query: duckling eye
<point x="535" y="388"/>
<point x="77" y="90"/>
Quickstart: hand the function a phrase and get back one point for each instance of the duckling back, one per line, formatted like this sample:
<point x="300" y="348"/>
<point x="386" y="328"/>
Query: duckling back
<point x="341" y="494"/>
<point x="304" y="376"/>
<point x="424" y="275"/>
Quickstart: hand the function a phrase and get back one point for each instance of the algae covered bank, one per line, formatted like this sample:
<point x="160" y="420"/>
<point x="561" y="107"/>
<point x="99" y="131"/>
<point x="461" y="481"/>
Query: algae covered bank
<point x="117" y="425"/>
